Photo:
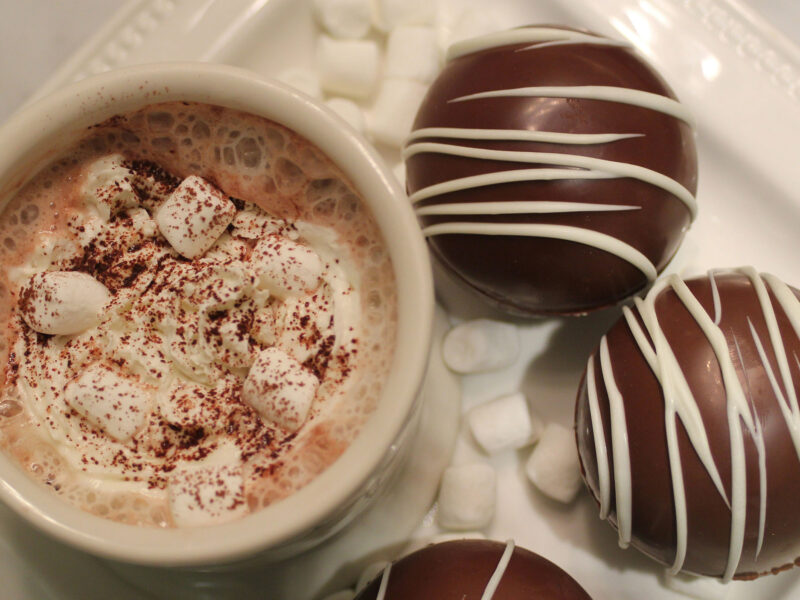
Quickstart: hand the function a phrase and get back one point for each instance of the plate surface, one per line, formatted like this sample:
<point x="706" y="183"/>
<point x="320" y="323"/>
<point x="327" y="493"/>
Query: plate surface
<point x="739" y="77"/>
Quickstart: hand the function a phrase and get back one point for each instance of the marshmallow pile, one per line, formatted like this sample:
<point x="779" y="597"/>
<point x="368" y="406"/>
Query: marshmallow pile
<point x="468" y="492"/>
<point x="375" y="59"/>
<point x="173" y="313"/>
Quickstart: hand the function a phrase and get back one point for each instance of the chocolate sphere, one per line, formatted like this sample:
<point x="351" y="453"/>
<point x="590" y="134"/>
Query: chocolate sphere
<point x="688" y="425"/>
<point x="553" y="171"/>
<point x="465" y="569"/>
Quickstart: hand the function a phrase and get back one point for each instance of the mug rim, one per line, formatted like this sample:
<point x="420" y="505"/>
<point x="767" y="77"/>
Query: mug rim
<point x="92" y="101"/>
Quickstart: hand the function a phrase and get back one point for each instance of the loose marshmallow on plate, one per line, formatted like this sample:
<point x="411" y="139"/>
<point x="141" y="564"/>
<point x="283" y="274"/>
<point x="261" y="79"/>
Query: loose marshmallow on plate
<point x="467" y="496"/>
<point x="412" y="52"/>
<point x="348" y="67"/>
<point x="553" y="466"/>
<point x="388" y="14"/>
<point x="304" y="80"/>
<point x="480" y="345"/>
<point x="209" y="492"/>
<point x="62" y="302"/>
<point x="108" y="187"/>
<point x="344" y="18"/>
<point x="504" y="423"/>
<point x="286" y="268"/>
<point x="349" y="111"/>
<point x="700" y="588"/>
<point x="394" y="110"/>
<point x="194" y="216"/>
<point x="115" y="404"/>
<point x="280" y="389"/>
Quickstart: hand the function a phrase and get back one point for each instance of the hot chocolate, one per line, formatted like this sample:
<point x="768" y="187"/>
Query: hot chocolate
<point x="199" y="313"/>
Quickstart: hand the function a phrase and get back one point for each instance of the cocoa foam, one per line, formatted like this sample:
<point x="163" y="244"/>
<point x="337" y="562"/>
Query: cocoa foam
<point x="253" y="160"/>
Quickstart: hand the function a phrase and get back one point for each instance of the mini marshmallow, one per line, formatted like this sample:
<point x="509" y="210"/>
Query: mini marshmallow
<point x="388" y="14"/>
<point x="208" y="493"/>
<point x="553" y="465"/>
<point x="412" y="52"/>
<point x="700" y="588"/>
<point x="286" y="268"/>
<point x="304" y="80"/>
<point x="348" y="67"/>
<point x="394" y="110"/>
<point x="115" y="404"/>
<point x="344" y="18"/>
<point x="467" y="496"/>
<point x="108" y="189"/>
<point x="480" y="345"/>
<point x="194" y="216"/>
<point x="62" y="302"/>
<point x="349" y="111"/>
<point x="504" y="423"/>
<point x="280" y="389"/>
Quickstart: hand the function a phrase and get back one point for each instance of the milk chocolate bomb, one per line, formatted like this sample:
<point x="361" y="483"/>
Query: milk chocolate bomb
<point x="701" y="378"/>
<point x="552" y="170"/>
<point x="468" y="569"/>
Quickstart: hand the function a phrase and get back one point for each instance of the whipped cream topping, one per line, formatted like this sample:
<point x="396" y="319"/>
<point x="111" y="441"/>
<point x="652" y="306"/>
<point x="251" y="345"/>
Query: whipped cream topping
<point x="175" y="296"/>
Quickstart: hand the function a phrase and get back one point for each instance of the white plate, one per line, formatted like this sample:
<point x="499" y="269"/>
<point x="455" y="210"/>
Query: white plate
<point x="739" y="76"/>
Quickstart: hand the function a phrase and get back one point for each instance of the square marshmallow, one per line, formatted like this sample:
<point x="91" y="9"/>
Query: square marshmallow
<point x="209" y="492"/>
<point x="344" y="19"/>
<point x="412" y="52"/>
<point x="467" y="496"/>
<point x="348" y="67"/>
<point x="194" y="216"/>
<point x="118" y="405"/>
<point x="280" y="389"/>
<point x="553" y="466"/>
<point x="395" y="109"/>
<point x="504" y="423"/>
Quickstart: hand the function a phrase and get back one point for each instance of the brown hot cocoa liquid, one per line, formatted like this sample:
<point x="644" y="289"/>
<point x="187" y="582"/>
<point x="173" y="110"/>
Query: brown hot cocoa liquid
<point x="251" y="159"/>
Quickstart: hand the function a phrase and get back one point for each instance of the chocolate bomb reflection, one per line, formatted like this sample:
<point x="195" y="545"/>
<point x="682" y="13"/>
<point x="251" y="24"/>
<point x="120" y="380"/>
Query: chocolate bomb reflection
<point x="701" y="381"/>
<point x="552" y="170"/>
<point x="472" y="570"/>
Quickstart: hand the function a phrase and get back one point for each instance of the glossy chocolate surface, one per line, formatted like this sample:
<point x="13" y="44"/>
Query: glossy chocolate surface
<point x="754" y="409"/>
<point x="461" y="570"/>
<point x="527" y="274"/>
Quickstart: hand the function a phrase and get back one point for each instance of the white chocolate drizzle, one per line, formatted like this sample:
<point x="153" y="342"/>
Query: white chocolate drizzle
<point x="512" y="207"/>
<point x="596" y="165"/>
<point x="497" y="576"/>
<point x="384" y="582"/>
<point x="520" y="135"/>
<point x="561" y="232"/>
<point x="680" y="402"/>
<point x="649" y="100"/>
<point x="537" y="36"/>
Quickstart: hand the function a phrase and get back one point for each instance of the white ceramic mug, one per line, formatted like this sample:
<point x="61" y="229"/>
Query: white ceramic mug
<point x="38" y="133"/>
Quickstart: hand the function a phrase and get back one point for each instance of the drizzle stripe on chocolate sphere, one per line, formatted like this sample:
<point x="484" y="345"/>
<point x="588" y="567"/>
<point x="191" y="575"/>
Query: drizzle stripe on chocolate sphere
<point x="473" y="570"/>
<point x="688" y="424"/>
<point x="552" y="170"/>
